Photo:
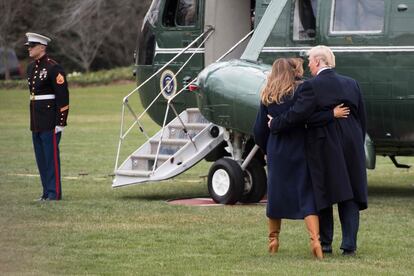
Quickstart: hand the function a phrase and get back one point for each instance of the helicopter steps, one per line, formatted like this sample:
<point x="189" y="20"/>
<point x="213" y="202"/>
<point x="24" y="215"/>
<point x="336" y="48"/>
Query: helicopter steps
<point x="184" y="143"/>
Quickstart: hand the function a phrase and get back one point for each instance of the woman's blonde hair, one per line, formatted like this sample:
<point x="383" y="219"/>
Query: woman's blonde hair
<point x="297" y="65"/>
<point x="280" y="82"/>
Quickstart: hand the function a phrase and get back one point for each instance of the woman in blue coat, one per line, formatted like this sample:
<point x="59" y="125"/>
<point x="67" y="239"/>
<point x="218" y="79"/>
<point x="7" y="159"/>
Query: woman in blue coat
<point x="290" y="194"/>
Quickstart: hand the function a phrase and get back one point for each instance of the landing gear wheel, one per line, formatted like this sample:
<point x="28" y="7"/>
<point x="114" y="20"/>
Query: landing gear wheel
<point x="225" y="181"/>
<point x="255" y="183"/>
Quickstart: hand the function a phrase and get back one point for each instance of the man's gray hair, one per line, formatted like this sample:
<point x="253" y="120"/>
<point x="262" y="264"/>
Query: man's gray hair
<point x="323" y="53"/>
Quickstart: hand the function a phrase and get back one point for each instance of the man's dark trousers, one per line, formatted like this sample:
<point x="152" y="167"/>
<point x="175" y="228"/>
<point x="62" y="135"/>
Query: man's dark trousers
<point x="46" y="148"/>
<point x="349" y="216"/>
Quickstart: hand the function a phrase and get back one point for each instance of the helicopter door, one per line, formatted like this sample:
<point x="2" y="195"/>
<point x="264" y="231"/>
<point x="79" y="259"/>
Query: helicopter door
<point x="178" y="25"/>
<point x="169" y="26"/>
<point x="304" y="21"/>
<point x="303" y="27"/>
<point x="231" y="20"/>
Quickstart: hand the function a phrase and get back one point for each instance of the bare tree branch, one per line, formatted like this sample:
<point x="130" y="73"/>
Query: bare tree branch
<point x="85" y="33"/>
<point x="11" y="11"/>
<point x="84" y="26"/>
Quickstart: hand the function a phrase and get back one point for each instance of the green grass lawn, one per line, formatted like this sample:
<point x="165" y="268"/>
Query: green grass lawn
<point x="96" y="230"/>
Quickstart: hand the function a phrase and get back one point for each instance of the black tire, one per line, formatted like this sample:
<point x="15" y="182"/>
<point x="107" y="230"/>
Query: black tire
<point x="225" y="181"/>
<point x="255" y="180"/>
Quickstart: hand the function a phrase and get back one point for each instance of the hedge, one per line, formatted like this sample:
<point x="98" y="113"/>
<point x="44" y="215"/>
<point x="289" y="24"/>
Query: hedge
<point x="101" y="77"/>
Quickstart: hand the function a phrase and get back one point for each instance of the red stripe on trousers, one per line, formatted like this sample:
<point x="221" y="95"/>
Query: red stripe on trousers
<point x="56" y="165"/>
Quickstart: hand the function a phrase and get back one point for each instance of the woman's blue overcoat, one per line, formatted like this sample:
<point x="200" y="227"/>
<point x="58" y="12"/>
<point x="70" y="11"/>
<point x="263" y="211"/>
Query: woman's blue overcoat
<point x="289" y="190"/>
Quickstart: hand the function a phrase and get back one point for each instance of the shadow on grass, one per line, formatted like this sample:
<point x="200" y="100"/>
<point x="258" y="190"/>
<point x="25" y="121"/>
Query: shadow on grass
<point x="162" y="196"/>
<point x="157" y="197"/>
<point x="390" y="191"/>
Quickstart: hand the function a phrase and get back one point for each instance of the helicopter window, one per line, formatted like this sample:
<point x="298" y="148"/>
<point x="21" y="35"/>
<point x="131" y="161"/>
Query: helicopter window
<point x="304" y="21"/>
<point x="180" y="13"/>
<point x="168" y="18"/>
<point x="186" y="12"/>
<point x="357" y="16"/>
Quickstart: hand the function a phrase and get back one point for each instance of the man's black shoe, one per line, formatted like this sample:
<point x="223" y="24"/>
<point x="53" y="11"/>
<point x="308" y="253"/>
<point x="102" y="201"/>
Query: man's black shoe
<point x="327" y="249"/>
<point x="348" y="253"/>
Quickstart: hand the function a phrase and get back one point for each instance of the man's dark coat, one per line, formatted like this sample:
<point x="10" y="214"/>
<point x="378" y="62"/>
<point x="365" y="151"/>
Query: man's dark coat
<point x="335" y="151"/>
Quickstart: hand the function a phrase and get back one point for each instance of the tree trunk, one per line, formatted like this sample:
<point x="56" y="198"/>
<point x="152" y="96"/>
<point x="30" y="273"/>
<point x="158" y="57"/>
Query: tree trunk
<point x="5" y="61"/>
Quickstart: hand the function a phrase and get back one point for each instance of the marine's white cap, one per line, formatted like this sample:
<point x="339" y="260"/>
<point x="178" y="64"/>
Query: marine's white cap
<point x="37" y="38"/>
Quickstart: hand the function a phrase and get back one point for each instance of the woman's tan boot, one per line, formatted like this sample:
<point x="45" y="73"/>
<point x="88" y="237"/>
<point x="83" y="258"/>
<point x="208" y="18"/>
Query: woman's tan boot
<point x="312" y="224"/>
<point x="274" y="230"/>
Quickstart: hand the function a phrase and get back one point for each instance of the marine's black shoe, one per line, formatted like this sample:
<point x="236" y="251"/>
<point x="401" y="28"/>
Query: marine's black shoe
<point x="42" y="199"/>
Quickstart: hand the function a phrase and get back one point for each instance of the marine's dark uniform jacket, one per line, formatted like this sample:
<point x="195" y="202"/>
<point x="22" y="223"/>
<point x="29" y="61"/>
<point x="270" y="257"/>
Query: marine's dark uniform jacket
<point x="46" y="77"/>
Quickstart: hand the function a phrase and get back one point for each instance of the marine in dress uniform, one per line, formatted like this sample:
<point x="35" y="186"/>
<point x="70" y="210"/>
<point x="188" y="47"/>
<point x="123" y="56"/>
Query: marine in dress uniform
<point x="49" y="108"/>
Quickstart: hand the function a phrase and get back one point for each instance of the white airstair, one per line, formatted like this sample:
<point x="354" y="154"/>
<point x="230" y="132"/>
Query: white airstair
<point x="180" y="144"/>
<point x="185" y="141"/>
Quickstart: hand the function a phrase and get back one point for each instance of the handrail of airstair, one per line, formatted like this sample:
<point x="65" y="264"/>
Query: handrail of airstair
<point x="137" y="118"/>
<point x="125" y="101"/>
<point x="217" y="60"/>
<point x="170" y="103"/>
<point x="235" y="45"/>
<point x="209" y="30"/>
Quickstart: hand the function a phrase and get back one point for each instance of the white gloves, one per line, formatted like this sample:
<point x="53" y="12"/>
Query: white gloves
<point x="59" y="129"/>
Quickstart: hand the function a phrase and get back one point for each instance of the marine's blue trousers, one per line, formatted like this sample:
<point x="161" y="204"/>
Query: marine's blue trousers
<point x="46" y="148"/>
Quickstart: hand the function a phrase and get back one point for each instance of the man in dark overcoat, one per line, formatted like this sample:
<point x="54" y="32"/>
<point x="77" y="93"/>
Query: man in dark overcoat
<point x="49" y="108"/>
<point x="335" y="151"/>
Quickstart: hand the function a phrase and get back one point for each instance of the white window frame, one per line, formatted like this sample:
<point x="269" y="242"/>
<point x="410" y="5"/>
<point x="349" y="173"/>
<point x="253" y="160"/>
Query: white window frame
<point x="331" y="31"/>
